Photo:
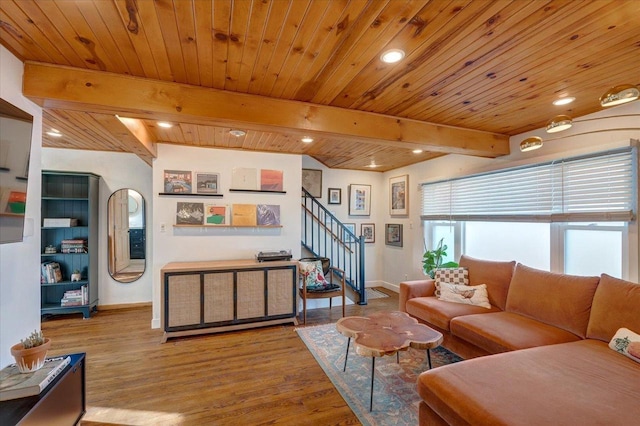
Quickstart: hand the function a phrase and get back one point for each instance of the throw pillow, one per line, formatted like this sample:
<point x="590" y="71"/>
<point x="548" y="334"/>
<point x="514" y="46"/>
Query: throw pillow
<point x="469" y="295"/>
<point x="452" y="276"/>
<point x="313" y="277"/>
<point x="627" y="343"/>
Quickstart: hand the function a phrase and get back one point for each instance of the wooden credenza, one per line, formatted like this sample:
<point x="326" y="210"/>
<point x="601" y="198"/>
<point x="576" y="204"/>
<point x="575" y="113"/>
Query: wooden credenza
<point x="216" y="296"/>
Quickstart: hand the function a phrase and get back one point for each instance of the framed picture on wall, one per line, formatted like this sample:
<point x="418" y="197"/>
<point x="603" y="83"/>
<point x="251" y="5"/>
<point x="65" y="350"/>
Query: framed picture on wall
<point x="312" y="182"/>
<point x="399" y="195"/>
<point x="177" y="181"/>
<point x="207" y="182"/>
<point x="393" y="234"/>
<point x="368" y="231"/>
<point x="334" y="196"/>
<point x="352" y="228"/>
<point x="359" y="200"/>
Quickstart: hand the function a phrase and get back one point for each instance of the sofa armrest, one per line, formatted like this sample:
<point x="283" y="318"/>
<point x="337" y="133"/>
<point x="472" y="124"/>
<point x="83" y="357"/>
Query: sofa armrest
<point x="418" y="288"/>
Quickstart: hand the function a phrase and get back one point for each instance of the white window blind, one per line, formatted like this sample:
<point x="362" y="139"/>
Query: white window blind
<point x="599" y="187"/>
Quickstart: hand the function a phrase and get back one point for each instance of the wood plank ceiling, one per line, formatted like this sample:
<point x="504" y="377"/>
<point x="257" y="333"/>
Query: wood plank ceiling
<point x="475" y="72"/>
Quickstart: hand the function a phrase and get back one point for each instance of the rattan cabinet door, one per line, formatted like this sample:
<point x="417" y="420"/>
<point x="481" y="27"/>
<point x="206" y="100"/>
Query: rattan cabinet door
<point x="184" y="300"/>
<point x="280" y="285"/>
<point x="250" y="302"/>
<point x="218" y="297"/>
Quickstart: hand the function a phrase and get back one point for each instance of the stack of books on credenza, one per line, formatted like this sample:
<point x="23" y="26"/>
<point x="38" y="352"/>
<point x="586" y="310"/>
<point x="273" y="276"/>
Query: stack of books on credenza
<point x="14" y="384"/>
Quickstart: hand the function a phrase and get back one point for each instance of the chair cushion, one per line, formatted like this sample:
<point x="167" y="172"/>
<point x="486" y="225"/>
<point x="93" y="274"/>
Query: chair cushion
<point x="314" y="278"/>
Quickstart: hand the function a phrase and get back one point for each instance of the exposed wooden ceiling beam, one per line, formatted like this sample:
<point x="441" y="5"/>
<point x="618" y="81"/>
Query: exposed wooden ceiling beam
<point x="139" y="131"/>
<point x="53" y="86"/>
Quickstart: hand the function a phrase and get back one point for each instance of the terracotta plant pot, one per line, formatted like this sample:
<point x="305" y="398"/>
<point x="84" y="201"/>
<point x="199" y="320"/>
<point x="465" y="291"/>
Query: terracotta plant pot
<point x="32" y="359"/>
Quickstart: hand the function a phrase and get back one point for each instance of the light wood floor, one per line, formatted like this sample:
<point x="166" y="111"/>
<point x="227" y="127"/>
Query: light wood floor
<point x="250" y="377"/>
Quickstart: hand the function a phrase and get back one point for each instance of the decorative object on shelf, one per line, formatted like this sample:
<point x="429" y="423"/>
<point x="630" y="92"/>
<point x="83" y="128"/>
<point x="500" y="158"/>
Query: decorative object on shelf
<point x="271" y="180"/>
<point x="216" y="214"/>
<point x="393" y="234"/>
<point x="334" y="196"/>
<point x="432" y="259"/>
<point x="207" y="182"/>
<point x="312" y="182"/>
<point x="368" y="231"/>
<point x="50" y="249"/>
<point x="177" y="181"/>
<point x="59" y="222"/>
<point x="399" y="195"/>
<point x="31" y="352"/>
<point x="76" y="275"/>
<point x="268" y="214"/>
<point x="244" y="178"/>
<point x="244" y="215"/>
<point x="190" y="213"/>
<point x="359" y="200"/>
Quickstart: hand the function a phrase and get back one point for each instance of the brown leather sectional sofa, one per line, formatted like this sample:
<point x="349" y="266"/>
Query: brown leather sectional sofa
<point x="539" y="356"/>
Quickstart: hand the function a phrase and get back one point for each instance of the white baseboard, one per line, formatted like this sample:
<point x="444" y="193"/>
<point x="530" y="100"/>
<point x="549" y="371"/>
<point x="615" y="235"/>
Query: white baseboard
<point x="379" y="283"/>
<point x="155" y="323"/>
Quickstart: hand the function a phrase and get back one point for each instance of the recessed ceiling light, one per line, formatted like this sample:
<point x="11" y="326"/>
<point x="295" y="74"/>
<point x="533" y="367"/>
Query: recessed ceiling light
<point x="307" y="139"/>
<point x="417" y="151"/>
<point x="55" y="133"/>
<point x="165" y="124"/>
<point x="392" y="56"/>
<point x="237" y="133"/>
<point x="564" y="101"/>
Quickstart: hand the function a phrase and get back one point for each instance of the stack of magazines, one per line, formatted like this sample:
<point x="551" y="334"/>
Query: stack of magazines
<point x="75" y="297"/>
<point x="14" y="384"/>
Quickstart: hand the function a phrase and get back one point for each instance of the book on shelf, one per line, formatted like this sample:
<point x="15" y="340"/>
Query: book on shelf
<point x="14" y="384"/>
<point x="50" y="273"/>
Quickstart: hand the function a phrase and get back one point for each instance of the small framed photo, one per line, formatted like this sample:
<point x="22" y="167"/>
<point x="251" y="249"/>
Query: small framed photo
<point x="399" y="196"/>
<point x="334" y="196"/>
<point x="189" y="213"/>
<point x="393" y="234"/>
<point x="368" y="231"/>
<point x="177" y="181"/>
<point x="312" y="182"/>
<point x="352" y="228"/>
<point x="359" y="200"/>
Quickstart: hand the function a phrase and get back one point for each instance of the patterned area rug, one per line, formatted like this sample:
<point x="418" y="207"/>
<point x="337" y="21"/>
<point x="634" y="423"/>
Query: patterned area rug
<point x="395" y="398"/>
<point x="372" y="293"/>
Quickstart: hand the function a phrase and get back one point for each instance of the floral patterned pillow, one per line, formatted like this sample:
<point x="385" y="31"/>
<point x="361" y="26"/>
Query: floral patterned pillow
<point x="313" y="277"/>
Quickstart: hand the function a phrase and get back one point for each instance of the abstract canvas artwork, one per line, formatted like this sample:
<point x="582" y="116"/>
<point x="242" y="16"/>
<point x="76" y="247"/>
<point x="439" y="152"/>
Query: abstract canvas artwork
<point x="268" y="215"/>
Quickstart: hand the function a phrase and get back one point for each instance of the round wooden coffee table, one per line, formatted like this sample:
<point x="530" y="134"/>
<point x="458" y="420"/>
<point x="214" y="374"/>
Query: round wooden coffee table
<point x="386" y="333"/>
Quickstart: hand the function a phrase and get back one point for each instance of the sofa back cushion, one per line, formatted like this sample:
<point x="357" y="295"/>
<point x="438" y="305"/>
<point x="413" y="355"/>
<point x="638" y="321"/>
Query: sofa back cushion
<point x="561" y="300"/>
<point x="616" y="304"/>
<point x="496" y="275"/>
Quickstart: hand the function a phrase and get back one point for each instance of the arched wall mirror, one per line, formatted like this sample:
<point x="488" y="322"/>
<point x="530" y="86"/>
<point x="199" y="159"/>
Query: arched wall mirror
<point x="126" y="224"/>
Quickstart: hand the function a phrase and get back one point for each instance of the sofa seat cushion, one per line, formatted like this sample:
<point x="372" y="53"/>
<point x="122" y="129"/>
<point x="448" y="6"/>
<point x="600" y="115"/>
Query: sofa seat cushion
<point x="506" y="331"/>
<point x="559" y="300"/>
<point x="439" y="312"/>
<point x="579" y="383"/>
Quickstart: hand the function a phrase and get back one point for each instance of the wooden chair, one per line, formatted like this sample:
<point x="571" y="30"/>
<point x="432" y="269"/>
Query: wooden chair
<point x="330" y="273"/>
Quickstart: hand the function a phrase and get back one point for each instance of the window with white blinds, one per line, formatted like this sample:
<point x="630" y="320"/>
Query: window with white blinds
<point x="599" y="187"/>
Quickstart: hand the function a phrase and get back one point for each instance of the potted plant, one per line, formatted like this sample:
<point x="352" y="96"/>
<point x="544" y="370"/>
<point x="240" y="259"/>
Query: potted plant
<point x="432" y="259"/>
<point x="76" y="275"/>
<point x="31" y="352"/>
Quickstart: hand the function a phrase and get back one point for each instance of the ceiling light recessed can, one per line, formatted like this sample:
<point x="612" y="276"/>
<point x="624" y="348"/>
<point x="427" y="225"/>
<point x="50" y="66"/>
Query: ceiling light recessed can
<point x="564" y="101"/>
<point x="307" y="139"/>
<point x="392" y="56"/>
<point x="559" y="123"/>
<point x="237" y="133"/>
<point x="417" y="151"/>
<point x="55" y="133"/>
<point x="165" y="125"/>
<point x="529" y="144"/>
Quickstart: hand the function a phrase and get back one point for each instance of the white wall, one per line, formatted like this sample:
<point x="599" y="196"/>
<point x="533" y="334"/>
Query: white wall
<point x="407" y="262"/>
<point x="118" y="171"/>
<point x="20" y="262"/>
<point x="194" y="244"/>
<point x="335" y="178"/>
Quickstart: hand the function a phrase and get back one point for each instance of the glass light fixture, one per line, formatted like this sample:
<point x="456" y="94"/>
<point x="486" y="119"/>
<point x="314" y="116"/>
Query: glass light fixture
<point x="392" y="56"/>
<point x="306" y="139"/>
<point x="564" y="101"/>
<point x="559" y="123"/>
<point x="619" y="95"/>
<point x="237" y="133"/>
<point x="530" y="144"/>
<point x="165" y="125"/>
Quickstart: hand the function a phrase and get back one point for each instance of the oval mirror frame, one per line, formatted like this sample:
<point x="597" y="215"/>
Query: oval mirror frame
<point x="126" y="235"/>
